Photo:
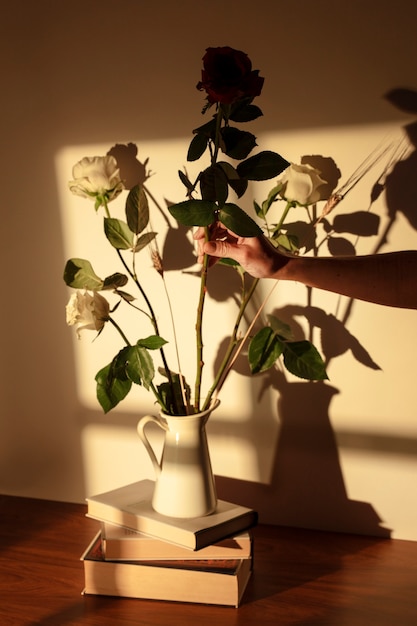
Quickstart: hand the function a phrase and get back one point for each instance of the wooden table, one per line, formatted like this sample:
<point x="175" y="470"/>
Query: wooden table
<point x="302" y="578"/>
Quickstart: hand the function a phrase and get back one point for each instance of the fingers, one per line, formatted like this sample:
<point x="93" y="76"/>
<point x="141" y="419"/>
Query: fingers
<point x="199" y="233"/>
<point x="216" y="248"/>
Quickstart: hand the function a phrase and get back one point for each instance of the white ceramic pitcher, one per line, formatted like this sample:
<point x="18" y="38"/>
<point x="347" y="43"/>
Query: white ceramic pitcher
<point x="184" y="485"/>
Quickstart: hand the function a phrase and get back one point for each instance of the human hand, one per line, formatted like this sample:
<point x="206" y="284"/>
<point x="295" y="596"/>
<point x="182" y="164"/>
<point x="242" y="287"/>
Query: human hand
<point x="256" y="255"/>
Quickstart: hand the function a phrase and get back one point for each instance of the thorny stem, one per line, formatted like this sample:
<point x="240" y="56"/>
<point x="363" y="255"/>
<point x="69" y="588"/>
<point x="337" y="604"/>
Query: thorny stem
<point x="199" y="329"/>
<point x="289" y="206"/>
<point x="154" y="322"/>
<point x="233" y="343"/>
<point x="219" y="119"/>
<point x="203" y="285"/>
<point x="116" y="325"/>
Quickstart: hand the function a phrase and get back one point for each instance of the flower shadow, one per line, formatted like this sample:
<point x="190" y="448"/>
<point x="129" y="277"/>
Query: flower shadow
<point x="306" y="485"/>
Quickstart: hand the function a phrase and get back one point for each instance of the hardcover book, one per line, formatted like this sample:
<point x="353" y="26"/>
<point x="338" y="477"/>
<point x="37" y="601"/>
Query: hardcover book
<point x="206" y="581"/>
<point x="130" y="506"/>
<point x="123" y="544"/>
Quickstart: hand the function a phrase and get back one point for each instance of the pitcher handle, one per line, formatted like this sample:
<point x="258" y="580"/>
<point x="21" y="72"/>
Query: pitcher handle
<point x="141" y="432"/>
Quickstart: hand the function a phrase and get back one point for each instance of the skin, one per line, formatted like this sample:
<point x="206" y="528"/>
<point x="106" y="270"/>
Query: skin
<point x="389" y="279"/>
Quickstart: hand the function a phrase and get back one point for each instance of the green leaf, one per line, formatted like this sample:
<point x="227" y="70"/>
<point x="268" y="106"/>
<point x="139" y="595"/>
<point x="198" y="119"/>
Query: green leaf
<point x="186" y="181"/>
<point x="139" y="366"/>
<point x="237" y="143"/>
<point x="208" y="129"/>
<point x="194" y="212"/>
<point x="272" y="197"/>
<point x="229" y="171"/>
<point x="288" y="242"/>
<point x="112" y="385"/>
<point x="143" y="241"/>
<point x="137" y="209"/>
<point x="302" y="359"/>
<point x="258" y="209"/>
<point x="115" y="281"/>
<point x="279" y="327"/>
<point x="118" y="233"/>
<point x="172" y="396"/>
<point x="154" y="342"/>
<point x="125" y="296"/>
<point x="262" y="166"/>
<point x="79" y="273"/>
<point x="239" y="222"/>
<point x="197" y="147"/>
<point x="264" y="349"/>
<point x="239" y="185"/>
<point x="213" y="184"/>
<point x="245" y="113"/>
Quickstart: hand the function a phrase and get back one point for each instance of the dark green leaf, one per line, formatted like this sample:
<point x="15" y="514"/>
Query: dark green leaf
<point x="79" y="273"/>
<point x="239" y="185"/>
<point x="258" y="209"/>
<point x="272" y="197"/>
<point x="302" y="359"/>
<point x="208" y="129"/>
<point x="144" y="240"/>
<point x="186" y="181"/>
<point x="137" y="209"/>
<point x="115" y="281"/>
<point x="237" y="143"/>
<point x="110" y="388"/>
<point x="118" y="233"/>
<point x="229" y="171"/>
<point x="126" y="296"/>
<point x="197" y="147"/>
<point x="264" y="349"/>
<point x="239" y="222"/>
<point x="245" y="113"/>
<point x="262" y="166"/>
<point x="194" y="212"/>
<point x="213" y="184"/>
<point x="172" y="395"/>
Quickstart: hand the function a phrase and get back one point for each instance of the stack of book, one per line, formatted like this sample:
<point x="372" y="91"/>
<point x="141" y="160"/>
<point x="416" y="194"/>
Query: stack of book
<point x="139" y="553"/>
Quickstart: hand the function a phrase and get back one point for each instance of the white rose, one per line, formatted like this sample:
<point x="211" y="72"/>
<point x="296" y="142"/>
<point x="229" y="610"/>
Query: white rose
<point x="300" y="184"/>
<point x="97" y="178"/>
<point x="89" y="311"/>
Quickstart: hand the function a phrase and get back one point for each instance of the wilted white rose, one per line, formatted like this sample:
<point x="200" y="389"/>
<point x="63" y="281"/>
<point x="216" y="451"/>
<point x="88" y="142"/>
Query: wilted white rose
<point x="97" y="178"/>
<point x="89" y="311"/>
<point x="301" y="183"/>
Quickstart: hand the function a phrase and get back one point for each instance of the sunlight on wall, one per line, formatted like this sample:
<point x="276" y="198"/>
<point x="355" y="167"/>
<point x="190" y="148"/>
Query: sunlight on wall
<point x="244" y="431"/>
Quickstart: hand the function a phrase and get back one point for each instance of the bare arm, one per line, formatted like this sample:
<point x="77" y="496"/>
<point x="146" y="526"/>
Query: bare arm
<point x="389" y="279"/>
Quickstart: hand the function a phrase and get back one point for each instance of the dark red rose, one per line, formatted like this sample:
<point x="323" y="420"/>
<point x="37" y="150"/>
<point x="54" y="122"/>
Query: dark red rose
<point x="227" y="76"/>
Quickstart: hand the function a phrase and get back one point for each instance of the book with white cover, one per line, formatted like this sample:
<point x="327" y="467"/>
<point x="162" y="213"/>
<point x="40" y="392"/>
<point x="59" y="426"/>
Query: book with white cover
<point x="130" y="506"/>
<point x="120" y="543"/>
<point x="206" y="581"/>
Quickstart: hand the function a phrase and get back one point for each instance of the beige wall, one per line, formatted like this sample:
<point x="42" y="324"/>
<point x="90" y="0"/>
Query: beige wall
<point x="85" y="74"/>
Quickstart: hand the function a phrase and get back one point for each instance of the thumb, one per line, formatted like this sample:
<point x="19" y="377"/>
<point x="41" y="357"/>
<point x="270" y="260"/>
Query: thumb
<point x="221" y="249"/>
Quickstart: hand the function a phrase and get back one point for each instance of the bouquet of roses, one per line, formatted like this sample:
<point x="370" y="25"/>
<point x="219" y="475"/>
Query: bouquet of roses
<point x="231" y="85"/>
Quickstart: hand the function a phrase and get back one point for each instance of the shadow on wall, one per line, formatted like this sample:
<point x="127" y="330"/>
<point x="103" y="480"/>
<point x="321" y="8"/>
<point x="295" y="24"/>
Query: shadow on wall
<point x="306" y="480"/>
